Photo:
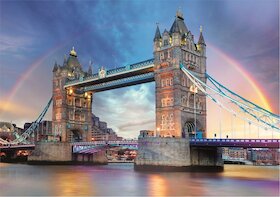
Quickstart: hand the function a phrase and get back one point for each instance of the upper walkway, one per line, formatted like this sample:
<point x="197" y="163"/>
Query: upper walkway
<point x="133" y="74"/>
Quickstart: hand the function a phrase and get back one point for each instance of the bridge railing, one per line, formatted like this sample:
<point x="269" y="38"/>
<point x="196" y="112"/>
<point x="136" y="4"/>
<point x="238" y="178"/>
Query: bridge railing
<point x="236" y="140"/>
<point x="98" y="143"/>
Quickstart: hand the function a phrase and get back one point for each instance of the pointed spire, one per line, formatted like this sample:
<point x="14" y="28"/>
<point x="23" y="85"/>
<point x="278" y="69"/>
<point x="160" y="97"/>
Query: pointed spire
<point x="89" y="68"/>
<point x="201" y="39"/>
<point x="157" y="34"/>
<point x="175" y="27"/>
<point x="179" y="14"/>
<point x="64" y="61"/>
<point x="73" y="52"/>
<point x="55" y="67"/>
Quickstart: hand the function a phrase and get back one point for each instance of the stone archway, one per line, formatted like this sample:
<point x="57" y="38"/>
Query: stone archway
<point x="76" y="135"/>
<point x="189" y="128"/>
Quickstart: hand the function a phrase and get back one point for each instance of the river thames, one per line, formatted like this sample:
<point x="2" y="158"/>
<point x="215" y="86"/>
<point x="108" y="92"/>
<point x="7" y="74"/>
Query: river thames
<point x="122" y="180"/>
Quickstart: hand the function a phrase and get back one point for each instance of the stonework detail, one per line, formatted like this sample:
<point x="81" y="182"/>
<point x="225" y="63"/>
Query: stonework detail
<point x="71" y="107"/>
<point x="172" y="48"/>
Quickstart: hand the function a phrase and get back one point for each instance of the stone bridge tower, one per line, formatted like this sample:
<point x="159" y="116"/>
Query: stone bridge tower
<point x="71" y="107"/>
<point x="180" y="107"/>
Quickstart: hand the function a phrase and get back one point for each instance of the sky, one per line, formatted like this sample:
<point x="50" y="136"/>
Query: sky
<point x="242" y="38"/>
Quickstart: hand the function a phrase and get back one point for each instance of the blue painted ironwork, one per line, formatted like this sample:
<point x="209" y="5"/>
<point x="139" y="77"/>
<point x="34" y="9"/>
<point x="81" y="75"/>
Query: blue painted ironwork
<point x="23" y="138"/>
<point x="91" y="147"/>
<point x="259" y="114"/>
<point x="113" y="72"/>
<point x="18" y="146"/>
<point x="147" y="77"/>
<point x="216" y="83"/>
<point x="244" y="143"/>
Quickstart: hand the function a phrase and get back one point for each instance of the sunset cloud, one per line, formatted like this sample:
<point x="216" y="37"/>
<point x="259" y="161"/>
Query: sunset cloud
<point x="117" y="33"/>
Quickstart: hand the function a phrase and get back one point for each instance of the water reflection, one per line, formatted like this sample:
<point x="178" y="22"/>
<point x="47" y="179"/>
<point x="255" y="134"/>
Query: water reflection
<point x="122" y="180"/>
<point x="157" y="185"/>
<point x="68" y="183"/>
<point x="252" y="172"/>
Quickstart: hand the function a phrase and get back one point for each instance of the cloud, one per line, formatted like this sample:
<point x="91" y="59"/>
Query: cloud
<point x="116" y="33"/>
<point x="15" y="110"/>
<point x="14" y="44"/>
<point x="137" y="124"/>
<point x="126" y="108"/>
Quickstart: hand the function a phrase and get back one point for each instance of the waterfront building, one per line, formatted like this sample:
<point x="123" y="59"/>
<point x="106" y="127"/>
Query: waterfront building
<point x="6" y="130"/>
<point x="146" y="133"/>
<point x="264" y="156"/>
<point x="43" y="132"/>
<point x="234" y="153"/>
<point x="101" y="132"/>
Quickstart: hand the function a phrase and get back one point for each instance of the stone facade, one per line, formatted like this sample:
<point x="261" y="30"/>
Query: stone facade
<point x="71" y="107"/>
<point x="176" y="102"/>
<point x="158" y="151"/>
<point x="175" y="154"/>
<point x="51" y="152"/>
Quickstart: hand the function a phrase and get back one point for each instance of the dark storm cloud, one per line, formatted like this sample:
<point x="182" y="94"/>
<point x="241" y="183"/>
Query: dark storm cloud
<point x="116" y="33"/>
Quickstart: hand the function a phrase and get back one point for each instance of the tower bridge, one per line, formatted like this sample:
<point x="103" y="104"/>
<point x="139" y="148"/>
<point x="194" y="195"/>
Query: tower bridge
<point x="178" y="68"/>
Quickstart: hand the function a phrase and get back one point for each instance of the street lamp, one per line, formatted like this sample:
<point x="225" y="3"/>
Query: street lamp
<point x="193" y="89"/>
<point x="158" y="130"/>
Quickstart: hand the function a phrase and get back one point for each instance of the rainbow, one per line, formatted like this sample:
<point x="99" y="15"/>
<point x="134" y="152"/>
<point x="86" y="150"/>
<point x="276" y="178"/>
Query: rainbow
<point x="247" y="76"/>
<point x="20" y="81"/>
<point x="250" y="79"/>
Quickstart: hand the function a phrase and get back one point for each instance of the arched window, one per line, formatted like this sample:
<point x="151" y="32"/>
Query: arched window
<point x="171" y="81"/>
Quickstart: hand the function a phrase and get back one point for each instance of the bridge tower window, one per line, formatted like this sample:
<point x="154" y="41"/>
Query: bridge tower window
<point x="59" y="102"/>
<point x="58" y="116"/>
<point x="165" y="102"/>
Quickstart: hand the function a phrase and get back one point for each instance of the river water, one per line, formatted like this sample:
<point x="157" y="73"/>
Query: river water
<point x="122" y="180"/>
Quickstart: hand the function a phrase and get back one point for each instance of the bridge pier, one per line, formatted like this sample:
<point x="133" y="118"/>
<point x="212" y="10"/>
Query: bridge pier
<point x="93" y="158"/>
<point x="206" y="159"/>
<point x="61" y="153"/>
<point x="51" y="153"/>
<point x="175" y="154"/>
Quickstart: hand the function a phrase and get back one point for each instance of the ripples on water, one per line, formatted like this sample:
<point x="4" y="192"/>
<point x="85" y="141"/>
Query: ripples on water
<point x="122" y="180"/>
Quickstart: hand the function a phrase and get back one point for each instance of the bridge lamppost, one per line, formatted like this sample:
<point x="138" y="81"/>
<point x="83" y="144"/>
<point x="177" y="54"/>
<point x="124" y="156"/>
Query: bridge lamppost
<point x="193" y="89"/>
<point x="157" y="132"/>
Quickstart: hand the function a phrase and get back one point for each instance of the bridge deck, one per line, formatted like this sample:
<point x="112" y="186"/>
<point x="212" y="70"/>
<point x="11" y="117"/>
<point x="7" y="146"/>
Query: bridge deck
<point x="20" y="147"/>
<point x="244" y="143"/>
<point x="88" y="147"/>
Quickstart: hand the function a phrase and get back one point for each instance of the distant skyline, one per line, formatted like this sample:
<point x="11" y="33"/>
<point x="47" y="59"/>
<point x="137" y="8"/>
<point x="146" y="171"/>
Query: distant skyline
<point x="242" y="38"/>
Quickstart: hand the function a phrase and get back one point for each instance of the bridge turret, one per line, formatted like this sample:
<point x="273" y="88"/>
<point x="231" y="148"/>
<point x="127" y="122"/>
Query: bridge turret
<point x="175" y="101"/>
<point x="157" y="39"/>
<point x="89" y="72"/>
<point x="55" y="67"/>
<point x="71" y="107"/>
<point x="201" y="46"/>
